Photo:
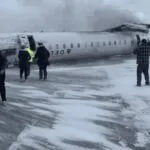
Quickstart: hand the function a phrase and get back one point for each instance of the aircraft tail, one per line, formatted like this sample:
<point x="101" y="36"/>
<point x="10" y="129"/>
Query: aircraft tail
<point x="145" y="24"/>
<point x="132" y="27"/>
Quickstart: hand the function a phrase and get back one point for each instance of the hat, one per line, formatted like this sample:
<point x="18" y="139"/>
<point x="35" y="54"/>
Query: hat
<point x="40" y="43"/>
<point x="144" y="41"/>
<point x="22" y="46"/>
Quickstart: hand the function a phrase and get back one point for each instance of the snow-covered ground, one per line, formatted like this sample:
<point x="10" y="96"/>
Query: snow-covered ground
<point x="95" y="106"/>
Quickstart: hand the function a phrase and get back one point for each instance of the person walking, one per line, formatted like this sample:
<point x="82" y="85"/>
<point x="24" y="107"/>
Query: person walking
<point x="42" y="55"/>
<point x="24" y="58"/>
<point x="31" y="60"/>
<point x="142" y="52"/>
<point x="3" y="65"/>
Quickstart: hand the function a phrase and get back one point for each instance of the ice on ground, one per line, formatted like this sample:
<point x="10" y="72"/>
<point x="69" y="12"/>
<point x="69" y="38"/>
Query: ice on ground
<point x="78" y="110"/>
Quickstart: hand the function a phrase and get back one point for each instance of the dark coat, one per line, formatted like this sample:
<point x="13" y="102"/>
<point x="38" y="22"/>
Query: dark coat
<point x="42" y="55"/>
<point x="24" y="58"/>
<point x="142" y="52"/>
<point x="3" y="62"/>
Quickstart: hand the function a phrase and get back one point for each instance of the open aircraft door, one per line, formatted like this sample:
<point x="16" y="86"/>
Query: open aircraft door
<point x="22" y="40"/>
<point x="27" y="40"/>
<point x="32" y="43"/>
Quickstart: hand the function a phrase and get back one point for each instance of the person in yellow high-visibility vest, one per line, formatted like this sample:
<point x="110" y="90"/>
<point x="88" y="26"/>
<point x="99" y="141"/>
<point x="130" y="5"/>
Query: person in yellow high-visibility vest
<point x="31" y="60"/>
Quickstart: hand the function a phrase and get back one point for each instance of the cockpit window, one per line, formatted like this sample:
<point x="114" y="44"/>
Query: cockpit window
<point x="132" y="42"/>
<point x="57" y="46"/>
<point x="71" y="45"/>
<point x="85" y="45"/>
<point x="64" y="46"/>
<point x="125" y="42"/>
<point x="78" y="45"/>
<point x="120" y="42"/>
<point x="104" y="44"/>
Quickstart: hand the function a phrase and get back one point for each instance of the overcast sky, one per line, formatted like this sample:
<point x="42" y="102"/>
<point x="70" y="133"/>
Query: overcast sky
<point x="58" y="15"/>
<point x="141" y="7"/>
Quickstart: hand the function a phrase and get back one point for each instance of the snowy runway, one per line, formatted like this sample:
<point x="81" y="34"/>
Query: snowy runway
<point x="94" y="106"/>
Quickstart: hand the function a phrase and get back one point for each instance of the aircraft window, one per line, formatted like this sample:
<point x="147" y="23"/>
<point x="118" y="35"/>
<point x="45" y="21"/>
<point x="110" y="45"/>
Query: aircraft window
<point x="104" y="44"/>
<point x="115" y="43"/>
<point x="9" y="52"/>
<point x="125" y="42"/>
<point x="120" y="42"/>
<point x="109" y="43"/>
<point x="132" y="42"/>
<point x="18" y="41"/>
<point x="85" y="45"/>
<point x="78" y="45"/>
<point x="71" y="45"/>
<point x="57" y="46"/>
<point x="64" y="46"/>
<point x="91" y="44"/>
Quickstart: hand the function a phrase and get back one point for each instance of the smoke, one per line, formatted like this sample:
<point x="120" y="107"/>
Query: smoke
<point x="66" y="15"/>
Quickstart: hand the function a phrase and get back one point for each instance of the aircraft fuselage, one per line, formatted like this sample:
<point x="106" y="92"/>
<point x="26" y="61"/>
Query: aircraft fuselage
<point x="74" y="45"/>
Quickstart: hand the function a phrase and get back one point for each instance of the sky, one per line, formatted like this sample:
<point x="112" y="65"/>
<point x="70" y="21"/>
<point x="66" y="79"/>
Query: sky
<point x="70" y="15"/>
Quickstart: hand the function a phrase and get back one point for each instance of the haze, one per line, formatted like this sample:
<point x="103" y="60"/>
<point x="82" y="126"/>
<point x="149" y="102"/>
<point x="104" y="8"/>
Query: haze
<point x="70" y="15"/>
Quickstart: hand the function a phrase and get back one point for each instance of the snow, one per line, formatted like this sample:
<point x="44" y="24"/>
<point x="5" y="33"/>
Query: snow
<point x="34" y="94"/>
<point x="2" y="122"/>
<point x="13" y="85"/>
<point x="75" y="118"/>
<point x="18" y="105"/>
<point x="138" y="98"/>
<point x="142" y="139"/>
<point x="42" y="112"/>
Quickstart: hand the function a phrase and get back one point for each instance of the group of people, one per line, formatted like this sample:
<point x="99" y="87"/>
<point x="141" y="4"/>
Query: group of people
<point x="42" y="56"/>
<point x="26" y="57"/>
<point x="142" y="51"/>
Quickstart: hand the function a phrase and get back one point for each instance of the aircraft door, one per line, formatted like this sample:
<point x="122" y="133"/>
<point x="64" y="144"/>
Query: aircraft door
<point x="21" y="40"/>
<point x="32" y="43"/>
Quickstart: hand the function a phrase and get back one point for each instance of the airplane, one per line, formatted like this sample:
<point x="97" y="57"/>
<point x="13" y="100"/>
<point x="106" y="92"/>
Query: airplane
<point x="119" y="40"/>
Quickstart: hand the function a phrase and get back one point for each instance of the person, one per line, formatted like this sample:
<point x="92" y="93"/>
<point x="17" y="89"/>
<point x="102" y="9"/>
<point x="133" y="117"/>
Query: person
<point x="138" y="39"/>
<point x="148" y="43"/>
<point x="31" y="60"/>
<point x="3" y="65"/>
<point x="42" y="55"/>
<point x="24" y="58"/>
<point x="142" y="52"/>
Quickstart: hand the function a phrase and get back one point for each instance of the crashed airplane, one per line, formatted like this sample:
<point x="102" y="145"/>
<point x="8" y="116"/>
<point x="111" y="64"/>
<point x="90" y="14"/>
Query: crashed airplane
<point x="120" y="40"/>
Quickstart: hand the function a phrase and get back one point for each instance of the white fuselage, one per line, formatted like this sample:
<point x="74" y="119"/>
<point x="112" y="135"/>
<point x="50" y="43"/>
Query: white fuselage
<point x="77" y="45"/>
<point x="87" y="45"/>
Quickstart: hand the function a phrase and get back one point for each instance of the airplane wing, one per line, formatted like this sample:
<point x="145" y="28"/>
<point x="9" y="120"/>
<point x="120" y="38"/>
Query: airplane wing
<point x="132" y="27"/>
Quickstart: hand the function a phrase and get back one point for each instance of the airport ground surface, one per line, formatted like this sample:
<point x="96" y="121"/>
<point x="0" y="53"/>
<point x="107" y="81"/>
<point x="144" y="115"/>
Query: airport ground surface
<point x="88" y="106"/>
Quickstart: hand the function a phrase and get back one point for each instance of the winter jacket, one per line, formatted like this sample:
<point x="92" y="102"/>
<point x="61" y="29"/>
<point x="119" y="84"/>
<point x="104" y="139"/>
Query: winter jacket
<point x="30" y="53"/>
<point x="42" y="55"/>
<point x="3" y="63"/>
<point x="24" y="58"/>
<point x="142" y="53"/>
